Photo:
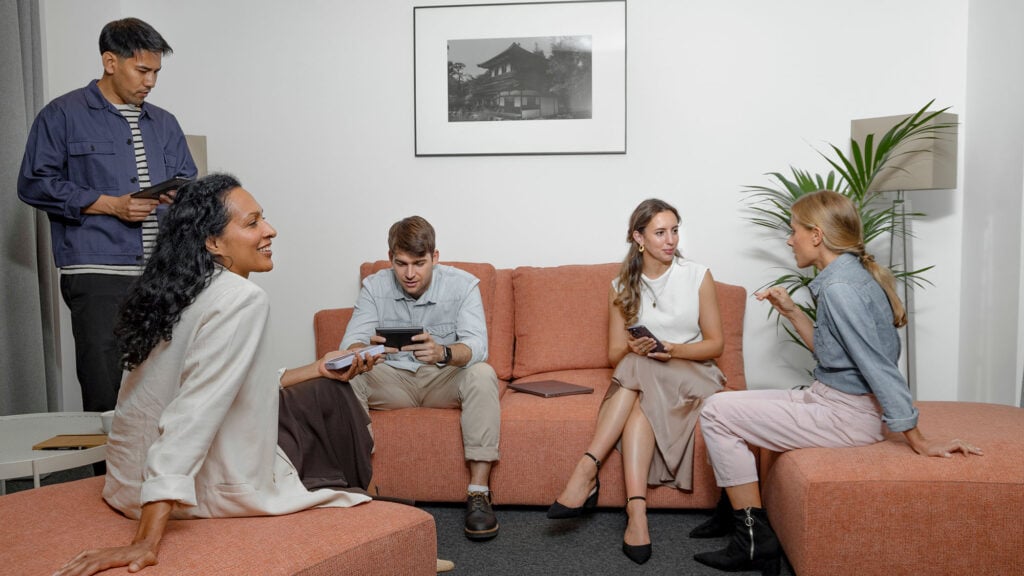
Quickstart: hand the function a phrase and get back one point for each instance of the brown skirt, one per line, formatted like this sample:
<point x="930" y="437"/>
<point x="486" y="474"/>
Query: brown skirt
<point x="323" y="430"/>
<point x="671" y="396"/>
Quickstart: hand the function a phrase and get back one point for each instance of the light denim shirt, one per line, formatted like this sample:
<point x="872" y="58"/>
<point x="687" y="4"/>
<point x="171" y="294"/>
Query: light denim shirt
<point x="451" y="310"/>
<point x="855" y="342"/>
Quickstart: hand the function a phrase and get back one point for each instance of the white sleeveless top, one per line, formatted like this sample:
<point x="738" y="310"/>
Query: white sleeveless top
<point x="670" y="304"/>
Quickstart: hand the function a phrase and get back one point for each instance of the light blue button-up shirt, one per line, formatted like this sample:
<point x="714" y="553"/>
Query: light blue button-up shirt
<point x="451" y="310"/>
<point x="855" y="342"/>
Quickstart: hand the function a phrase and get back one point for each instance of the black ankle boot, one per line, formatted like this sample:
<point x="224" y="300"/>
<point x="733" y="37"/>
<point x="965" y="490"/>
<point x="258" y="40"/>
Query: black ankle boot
<point x="720" y="523"/>
<point x="753" y="546"/>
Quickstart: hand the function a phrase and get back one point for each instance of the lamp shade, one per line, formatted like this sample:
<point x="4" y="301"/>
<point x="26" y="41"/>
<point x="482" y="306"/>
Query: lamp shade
<point x="927" y="163"/>
<point x="197" y="147"/>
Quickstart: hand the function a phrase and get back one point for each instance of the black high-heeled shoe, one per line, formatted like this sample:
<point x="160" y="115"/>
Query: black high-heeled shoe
<point x="559" y="511"/>
<point x="641" y="553"/>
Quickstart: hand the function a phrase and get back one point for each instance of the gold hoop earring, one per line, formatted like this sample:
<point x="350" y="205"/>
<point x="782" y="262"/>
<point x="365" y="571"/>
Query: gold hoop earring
<point x="641" y="249"/>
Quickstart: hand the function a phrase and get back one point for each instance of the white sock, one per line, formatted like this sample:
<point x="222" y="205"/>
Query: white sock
<point x="478" y="488"/>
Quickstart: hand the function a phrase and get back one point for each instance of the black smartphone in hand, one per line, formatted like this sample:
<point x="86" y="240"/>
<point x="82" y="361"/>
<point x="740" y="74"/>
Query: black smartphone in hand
<point x="639" y="331"/>
<point x="154" y="191"/>
<point x="399" y="337"/>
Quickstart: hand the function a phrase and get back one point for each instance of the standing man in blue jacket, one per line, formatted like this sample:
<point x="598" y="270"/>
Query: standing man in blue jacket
<point x="87" y="152"/>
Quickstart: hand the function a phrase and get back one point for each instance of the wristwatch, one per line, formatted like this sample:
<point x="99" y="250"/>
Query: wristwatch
<point x="447" y="357"/>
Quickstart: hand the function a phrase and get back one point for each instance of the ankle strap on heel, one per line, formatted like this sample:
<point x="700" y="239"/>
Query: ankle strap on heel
<point x="597" y="462"/>
<point x="631" y="498"/>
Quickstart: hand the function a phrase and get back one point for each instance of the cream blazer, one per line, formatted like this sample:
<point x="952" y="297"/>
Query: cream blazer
<point x="195" y="424"/>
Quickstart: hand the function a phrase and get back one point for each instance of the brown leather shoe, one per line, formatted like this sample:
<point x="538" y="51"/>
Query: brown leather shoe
<point x="481" y="523"/>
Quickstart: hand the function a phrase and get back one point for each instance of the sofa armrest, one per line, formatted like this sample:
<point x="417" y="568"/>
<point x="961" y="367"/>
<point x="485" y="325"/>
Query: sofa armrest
<point x="329" y="328"/>
<point x="732" y="304"/>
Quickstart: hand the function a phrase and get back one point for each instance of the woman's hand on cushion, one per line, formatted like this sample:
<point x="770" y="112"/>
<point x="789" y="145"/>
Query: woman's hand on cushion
<point x="939" y="448"/>
<point x="134" y="556"/>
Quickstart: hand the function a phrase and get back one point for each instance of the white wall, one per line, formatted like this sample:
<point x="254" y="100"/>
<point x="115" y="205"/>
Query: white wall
<point x="991" y="353"/>
<point x="311" y="105"/>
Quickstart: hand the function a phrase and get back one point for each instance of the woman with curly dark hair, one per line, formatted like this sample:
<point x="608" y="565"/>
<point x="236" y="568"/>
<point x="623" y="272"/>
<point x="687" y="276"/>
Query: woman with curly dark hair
<point x="194" y="432"/>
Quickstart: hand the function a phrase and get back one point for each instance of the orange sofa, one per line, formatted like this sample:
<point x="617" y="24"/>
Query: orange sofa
<point x="50" y="525"/>
<point x="882" y="509"/>
<point x="543" y="323"/>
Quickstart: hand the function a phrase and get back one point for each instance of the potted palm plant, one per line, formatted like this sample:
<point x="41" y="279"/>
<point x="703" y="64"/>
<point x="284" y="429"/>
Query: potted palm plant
<point x="851" y="175"/>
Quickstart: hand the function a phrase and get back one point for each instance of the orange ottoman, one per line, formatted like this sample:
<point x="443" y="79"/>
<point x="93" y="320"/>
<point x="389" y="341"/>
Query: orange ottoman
<point x="882" y="509"/>
<point x="48" y="526"/>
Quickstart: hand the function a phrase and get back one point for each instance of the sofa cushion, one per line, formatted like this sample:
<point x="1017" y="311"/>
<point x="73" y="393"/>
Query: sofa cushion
<point x="896" y="512"/>
<point x="543" y="438"/>
<point x="54" y="523"/>
<point x="329" y="328"/>
<point x="561" y="317"/>
<point x="561" y="320"/>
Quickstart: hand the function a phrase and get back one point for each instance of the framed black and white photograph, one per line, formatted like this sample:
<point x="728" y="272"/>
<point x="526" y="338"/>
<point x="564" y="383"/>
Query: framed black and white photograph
<point x="530" y="78"/>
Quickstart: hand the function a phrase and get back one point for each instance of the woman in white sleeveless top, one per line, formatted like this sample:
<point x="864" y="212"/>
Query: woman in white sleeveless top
<point x="659" y="385"/>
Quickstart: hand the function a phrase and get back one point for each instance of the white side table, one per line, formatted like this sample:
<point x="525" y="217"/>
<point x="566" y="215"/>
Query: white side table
<point x="19" y="433"/>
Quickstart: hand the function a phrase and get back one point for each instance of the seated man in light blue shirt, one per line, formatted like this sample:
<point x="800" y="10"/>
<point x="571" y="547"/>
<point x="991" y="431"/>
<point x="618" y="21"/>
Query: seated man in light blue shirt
<point x="444" y="364"/>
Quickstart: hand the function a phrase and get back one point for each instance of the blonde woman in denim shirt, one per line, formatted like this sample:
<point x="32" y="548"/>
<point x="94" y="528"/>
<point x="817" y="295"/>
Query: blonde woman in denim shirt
<point x="857" y="392"/>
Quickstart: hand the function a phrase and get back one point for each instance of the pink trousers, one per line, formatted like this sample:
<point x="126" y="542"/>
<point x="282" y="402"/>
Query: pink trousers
<point x="783" y="420"/>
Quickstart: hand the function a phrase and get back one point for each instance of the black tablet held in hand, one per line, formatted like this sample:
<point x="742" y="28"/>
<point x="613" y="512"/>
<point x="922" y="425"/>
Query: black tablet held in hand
<point x="398" y="337"/>
<point x="639" y="331"/>
<point x="154" y="191"/>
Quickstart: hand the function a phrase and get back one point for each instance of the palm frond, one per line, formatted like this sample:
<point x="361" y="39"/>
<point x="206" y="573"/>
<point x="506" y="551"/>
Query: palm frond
<point x="851" y="175"/>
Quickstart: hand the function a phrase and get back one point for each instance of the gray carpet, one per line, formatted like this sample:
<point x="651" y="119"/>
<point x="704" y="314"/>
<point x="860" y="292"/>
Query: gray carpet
<point x="529" y="543"/>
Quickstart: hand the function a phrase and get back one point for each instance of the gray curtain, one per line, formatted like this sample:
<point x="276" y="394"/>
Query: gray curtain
<point x="29" y="378"/>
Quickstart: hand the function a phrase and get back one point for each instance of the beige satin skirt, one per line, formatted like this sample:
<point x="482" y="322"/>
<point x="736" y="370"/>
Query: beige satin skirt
<point x="671" y="396"/>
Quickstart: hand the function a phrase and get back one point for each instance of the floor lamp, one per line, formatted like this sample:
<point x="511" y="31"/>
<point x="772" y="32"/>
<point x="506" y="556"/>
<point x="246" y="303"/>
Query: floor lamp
<point x="927" y="163"/>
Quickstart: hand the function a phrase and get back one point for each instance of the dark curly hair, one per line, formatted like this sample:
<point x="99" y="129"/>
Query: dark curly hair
<point x="179" y="269"/>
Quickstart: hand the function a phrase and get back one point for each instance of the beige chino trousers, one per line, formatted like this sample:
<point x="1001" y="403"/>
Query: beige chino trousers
<point x="473" y="388"/>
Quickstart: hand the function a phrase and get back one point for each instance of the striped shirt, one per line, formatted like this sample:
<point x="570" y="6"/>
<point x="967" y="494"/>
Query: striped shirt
<point x="131" y="113"/>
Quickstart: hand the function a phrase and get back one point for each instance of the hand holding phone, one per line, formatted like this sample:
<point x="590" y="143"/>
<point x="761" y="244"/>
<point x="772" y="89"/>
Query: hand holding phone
<point x="345" y="360"/>
<point x="641" y="331"/>
<point x="398" y="337"/>
<point x="155" y="191"/>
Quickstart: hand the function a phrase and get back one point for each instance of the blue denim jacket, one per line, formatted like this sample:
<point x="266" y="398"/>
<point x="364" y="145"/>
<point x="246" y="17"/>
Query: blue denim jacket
<point x="855" y="342"/>
<point x="451" y="310"/>
<point x="80" y="147"/>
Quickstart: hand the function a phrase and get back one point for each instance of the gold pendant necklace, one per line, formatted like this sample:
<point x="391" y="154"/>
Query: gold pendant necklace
<point x="664" y="286"/>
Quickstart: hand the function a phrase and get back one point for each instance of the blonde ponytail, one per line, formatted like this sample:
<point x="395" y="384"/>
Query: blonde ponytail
<point x="887" y="281"/>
